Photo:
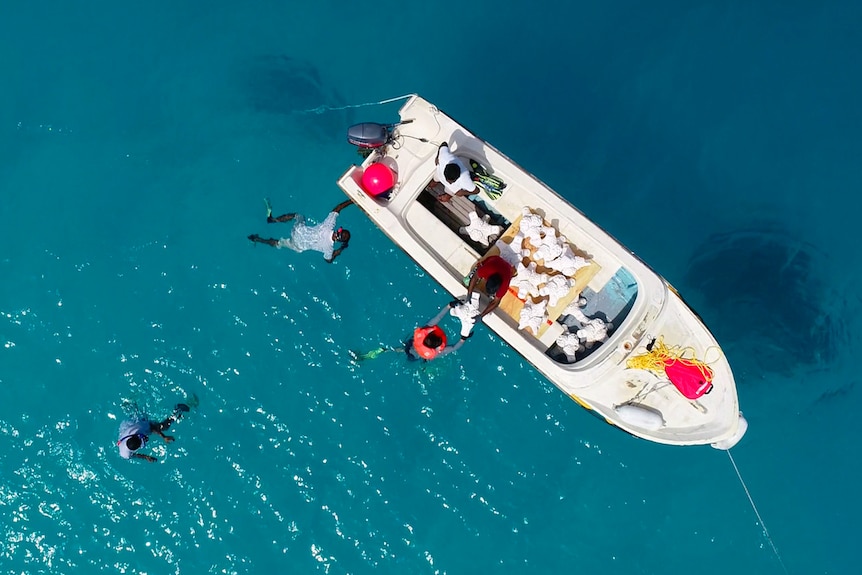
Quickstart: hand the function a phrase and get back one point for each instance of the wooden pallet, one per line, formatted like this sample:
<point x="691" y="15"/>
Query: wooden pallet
<point x="512" y="305"/>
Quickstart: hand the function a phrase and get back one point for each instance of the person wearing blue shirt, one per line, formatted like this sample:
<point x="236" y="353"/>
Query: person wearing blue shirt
<point x="134" y="433"/>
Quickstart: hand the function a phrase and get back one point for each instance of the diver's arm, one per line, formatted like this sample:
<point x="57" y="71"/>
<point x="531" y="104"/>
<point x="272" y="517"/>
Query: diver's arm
<point x="454" y="348"/>
<point x="149" y="458"/>
<point x="167" y="438"/>
<point x="337" y="209"/>
<point x="440" y="315"/>
<point x="335" y="254"/>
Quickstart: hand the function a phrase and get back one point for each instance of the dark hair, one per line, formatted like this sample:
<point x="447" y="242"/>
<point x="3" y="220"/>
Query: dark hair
<point x="433" y="340"/>
<point x="134" y="442"/>
<point x="342" y="236"/>
<point x="493" y="283"/>
<point x="452" y="172"/>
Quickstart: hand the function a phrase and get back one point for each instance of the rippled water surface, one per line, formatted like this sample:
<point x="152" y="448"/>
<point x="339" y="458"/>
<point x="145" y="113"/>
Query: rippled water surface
<point x="138" y="140"/>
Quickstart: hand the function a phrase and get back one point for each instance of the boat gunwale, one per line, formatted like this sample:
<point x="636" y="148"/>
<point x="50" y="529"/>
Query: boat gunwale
<point x="392" y="219"/>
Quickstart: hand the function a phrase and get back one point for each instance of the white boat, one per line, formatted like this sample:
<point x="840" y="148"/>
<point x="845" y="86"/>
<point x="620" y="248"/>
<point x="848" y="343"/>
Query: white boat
<point x="616" y="337"/>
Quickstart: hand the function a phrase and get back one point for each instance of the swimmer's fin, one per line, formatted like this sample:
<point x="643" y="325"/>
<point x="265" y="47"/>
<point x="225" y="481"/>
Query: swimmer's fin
<point x="371" y="354"/>
<point x="268" y="208"/>
<point x="480" y="173"/>
<point x="492" y="185"/>
<point x="477" y="168"/>
<point x="190" y="402"/>
<point x="179" y="410"/>
<point x="493" y="192"/>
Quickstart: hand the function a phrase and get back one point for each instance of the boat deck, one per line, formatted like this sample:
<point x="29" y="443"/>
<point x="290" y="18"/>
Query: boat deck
<point x="612" y="289"/>
<point x="455" y="215"/>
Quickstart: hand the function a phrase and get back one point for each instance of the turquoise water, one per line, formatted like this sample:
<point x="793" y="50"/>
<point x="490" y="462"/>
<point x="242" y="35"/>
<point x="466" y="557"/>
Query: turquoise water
<point x="719" y="142"/>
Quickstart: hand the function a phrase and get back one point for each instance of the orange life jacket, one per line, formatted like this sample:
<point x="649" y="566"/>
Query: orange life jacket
<point x="419" y="336"/>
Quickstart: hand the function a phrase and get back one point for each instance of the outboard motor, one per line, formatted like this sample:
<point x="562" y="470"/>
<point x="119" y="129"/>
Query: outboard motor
<point x="369" y="136"/>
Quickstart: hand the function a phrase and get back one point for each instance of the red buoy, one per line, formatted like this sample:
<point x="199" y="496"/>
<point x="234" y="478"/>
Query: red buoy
<point x="378" y="180"/>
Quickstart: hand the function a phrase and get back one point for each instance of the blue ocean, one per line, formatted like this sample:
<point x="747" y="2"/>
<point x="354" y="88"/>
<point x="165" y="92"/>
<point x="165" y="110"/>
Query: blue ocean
<point x="717" y="140"/>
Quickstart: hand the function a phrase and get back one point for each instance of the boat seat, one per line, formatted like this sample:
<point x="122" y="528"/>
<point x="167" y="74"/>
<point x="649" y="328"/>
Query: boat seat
<point x="456" y="212"/>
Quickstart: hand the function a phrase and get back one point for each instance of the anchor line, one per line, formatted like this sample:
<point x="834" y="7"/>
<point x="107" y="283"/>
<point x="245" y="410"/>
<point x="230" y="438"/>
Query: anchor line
<point x="322" y="109"/>
<point x="757" y="513"/>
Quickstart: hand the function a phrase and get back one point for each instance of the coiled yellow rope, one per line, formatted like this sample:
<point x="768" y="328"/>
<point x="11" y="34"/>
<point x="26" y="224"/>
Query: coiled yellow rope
<point x="661" y="355"/>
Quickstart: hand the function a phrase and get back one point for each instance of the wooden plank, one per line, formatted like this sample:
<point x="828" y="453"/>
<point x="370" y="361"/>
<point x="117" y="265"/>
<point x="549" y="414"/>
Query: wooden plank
<point x="456" y="212"/>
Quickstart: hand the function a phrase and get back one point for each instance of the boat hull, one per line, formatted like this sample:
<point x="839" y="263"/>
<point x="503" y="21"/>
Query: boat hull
<point x="638" y="308"/>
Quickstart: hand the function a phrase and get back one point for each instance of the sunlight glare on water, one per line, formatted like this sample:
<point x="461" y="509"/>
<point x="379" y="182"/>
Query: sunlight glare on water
<point x="138" y="142"/>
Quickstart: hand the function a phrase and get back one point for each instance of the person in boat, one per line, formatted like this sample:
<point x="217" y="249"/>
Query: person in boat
<point x="490" y="276"/>
<point x="321" y="237"/>
<point x="453" y="174"/>
<point x="135" y="432"/>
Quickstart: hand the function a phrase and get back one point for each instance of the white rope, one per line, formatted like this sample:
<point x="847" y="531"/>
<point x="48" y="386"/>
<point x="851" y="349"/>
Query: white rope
<point x="322" y="109"/>
<point x="757" y="513"/>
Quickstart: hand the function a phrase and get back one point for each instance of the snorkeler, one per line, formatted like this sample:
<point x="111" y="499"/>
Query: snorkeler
<point x="134" y="433"/>
<point x="429" y="341"/>
<point x="321" y="237"/>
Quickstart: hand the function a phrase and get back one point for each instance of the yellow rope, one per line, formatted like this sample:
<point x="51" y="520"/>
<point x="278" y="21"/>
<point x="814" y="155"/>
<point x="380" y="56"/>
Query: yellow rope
<point x="661" y="355"/>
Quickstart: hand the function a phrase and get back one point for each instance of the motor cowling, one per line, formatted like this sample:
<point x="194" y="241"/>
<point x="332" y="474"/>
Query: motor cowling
<point x="368" y="135"/>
